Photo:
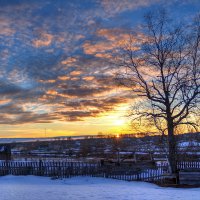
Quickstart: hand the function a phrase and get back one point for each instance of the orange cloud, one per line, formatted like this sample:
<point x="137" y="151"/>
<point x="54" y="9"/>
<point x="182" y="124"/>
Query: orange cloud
<point x="113" y="38"/>
<point x="114" y="35"/>
<point x="4" y="101"/>
<point x="90" y="48"/>
<point x="103" y="55"/>
<point x="75" y="73"/>
<point x="68" y="61"/>
<point x="63" y="78"/>
<point x="75" y="79"/>
<point x="47" y="81"/>
<point x="52" y="92"/>
<point x="45" y="40"/>
<point x="88" y="78"/>
<point x="64" y="96"/>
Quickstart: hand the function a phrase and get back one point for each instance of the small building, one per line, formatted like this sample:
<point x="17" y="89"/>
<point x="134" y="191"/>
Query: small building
<point x="5" y="152"/>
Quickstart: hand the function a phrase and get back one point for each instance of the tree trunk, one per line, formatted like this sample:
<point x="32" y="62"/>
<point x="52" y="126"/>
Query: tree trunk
<point x="172" y="147"/>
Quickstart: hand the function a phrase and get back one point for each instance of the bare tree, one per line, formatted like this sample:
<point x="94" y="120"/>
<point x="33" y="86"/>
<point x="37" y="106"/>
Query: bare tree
<point x="162" y="68"/>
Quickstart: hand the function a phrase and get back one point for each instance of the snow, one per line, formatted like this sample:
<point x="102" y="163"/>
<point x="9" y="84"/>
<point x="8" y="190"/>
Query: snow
<point x="188" y="143"/>
<point x="12" y="140"/>
<point x="78" y="188"/>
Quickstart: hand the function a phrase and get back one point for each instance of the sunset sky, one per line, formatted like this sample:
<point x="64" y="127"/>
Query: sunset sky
<point x="55" y="70"/>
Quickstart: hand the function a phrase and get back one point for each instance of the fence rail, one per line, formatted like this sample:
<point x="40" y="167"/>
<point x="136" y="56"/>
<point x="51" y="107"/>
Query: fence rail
<point x="65" y="169"/>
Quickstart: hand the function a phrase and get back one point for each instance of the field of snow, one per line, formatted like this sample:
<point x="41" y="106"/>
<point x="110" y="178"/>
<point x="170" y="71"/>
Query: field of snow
<point x="12" y="140"/>
<point x="89" y="188"/>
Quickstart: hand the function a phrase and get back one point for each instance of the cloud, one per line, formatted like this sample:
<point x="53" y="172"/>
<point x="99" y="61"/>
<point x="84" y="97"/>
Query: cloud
<point x="6" y="27"/>
<point x="5" y="101"/>
<point x="56" y="58"/>
<point x="102" y="46"/>
<point x="11" y="109"/>
<point x="85" y="91"/>
<point x="81" y="109"/>
<point x="52" y="92"/>
<point x="115" y="7"/>
<point x="75" y="73"/>
<point x="47" y="81"/>
<point x="88" y="78"/>
<point x="68" y="61"/>
<point x="27" y="118"/>
<point x="45" y="74"/>
<point x="63" y="78"/>
<point x="78" y="115"/>
<point x="108" y="41"/>
<point x="44" y="40"/>
<point x="7" y="88"/>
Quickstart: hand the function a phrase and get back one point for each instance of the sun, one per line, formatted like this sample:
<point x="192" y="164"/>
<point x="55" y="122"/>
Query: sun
<point x="117" y="136"/>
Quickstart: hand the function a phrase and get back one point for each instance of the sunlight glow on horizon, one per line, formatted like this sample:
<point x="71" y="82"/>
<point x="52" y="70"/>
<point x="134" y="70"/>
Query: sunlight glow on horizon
<point x="110" y="123"/>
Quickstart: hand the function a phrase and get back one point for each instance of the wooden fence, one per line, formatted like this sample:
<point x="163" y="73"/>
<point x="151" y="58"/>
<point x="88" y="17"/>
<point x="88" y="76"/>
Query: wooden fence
<point x="188" y="165"/>
<point x="64" y="169"/>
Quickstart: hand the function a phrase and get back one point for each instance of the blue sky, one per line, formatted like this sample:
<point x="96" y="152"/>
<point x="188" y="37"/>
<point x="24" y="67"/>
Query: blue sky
<point x="54" y="62"/>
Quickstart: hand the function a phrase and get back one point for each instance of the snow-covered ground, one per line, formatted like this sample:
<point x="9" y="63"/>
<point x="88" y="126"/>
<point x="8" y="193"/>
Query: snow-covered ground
<point x="87" y="188"/>
<point x="11" y="140"/>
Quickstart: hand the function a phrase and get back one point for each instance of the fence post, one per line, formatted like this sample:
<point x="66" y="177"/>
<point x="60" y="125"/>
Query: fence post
<point x="40" y="168"/>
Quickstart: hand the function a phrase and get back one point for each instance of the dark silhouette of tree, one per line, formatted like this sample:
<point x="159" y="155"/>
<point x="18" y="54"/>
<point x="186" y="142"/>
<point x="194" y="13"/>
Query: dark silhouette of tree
<point x="162" y="67"/>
